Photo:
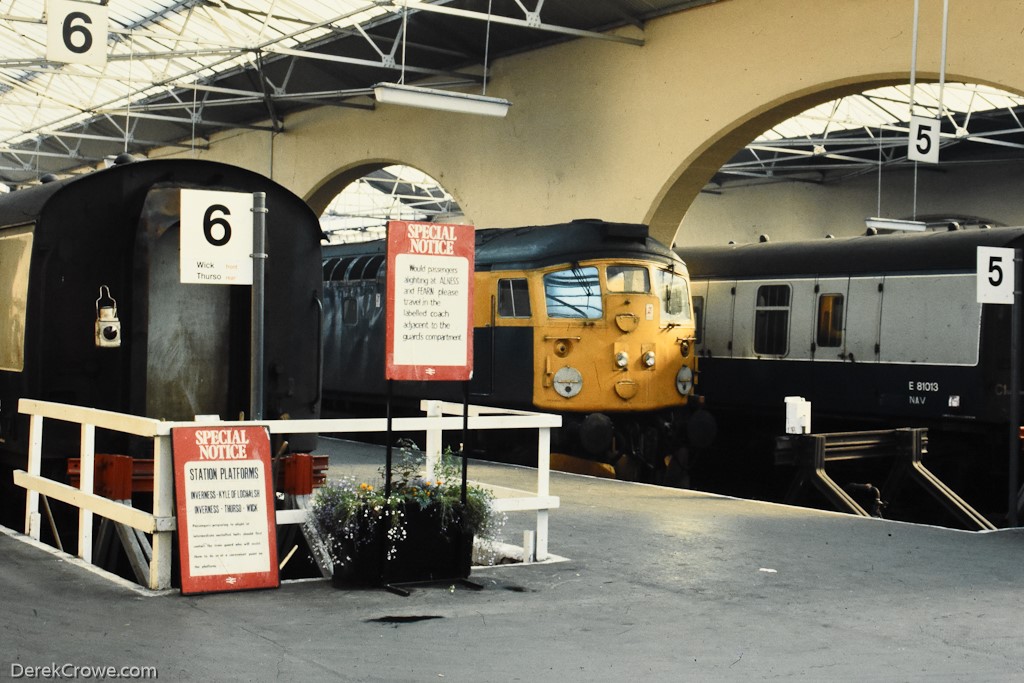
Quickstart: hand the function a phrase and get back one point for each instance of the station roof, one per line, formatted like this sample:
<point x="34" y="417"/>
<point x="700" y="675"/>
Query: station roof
<point x="177" y="71"/>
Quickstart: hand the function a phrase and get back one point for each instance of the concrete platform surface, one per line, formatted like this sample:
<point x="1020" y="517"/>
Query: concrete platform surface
<point x="659" y="584"/>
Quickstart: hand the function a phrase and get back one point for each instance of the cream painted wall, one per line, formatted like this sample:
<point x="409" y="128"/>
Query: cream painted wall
<point x="605" y="130"/>
<point x="788" y="211"/>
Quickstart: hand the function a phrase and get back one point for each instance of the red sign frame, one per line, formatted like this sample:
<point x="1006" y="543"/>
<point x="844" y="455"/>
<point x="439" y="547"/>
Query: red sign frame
<point x="430" y="275"/>
<point x="227" y="522"/>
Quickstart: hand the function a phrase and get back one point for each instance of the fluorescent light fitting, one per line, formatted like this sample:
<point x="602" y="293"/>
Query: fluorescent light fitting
<point x="895" y="224"/>
<point x="444" y="100"/>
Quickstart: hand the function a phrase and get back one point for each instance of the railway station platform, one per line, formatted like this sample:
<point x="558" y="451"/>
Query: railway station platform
<point x="652" y="583"/>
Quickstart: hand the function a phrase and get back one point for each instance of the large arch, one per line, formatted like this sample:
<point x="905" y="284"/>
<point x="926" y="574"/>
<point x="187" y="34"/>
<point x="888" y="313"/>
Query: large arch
<point x="624" y="133"/>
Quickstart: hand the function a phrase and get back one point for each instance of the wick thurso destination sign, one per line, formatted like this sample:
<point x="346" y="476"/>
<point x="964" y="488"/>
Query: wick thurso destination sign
<point x="430" y="301"/>
<point x="226" y="517"/>
<point x="216" y="237"/>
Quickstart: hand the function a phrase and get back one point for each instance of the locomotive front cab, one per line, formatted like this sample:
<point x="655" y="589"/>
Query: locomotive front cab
<point x="613" y="336"/>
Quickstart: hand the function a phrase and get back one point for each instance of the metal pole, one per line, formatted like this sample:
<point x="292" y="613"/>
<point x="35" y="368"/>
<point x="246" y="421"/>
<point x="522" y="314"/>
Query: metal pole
<point x="387" y="449"/>
<point x="259" y="257"/>
<point x="465" y="435"/>
<point x="1014" y="432"/>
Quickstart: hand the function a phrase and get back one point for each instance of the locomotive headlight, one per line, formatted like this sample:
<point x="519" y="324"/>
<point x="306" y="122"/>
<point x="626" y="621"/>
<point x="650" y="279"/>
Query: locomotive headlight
<point x="621" y="359"/>
<point x="649" y="359"/>
<point x="684" y="380"/>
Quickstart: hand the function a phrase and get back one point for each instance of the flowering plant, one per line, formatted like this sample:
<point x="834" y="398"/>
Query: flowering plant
<point x="351" y="516"/>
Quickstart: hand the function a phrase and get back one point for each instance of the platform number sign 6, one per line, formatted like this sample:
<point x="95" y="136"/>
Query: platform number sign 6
<point x="216" y="237"/>
<point x="924" y="140"/>
<point x="995" y="275"/>
<point x="215" y="222"/>
<point x="76" y="32"/>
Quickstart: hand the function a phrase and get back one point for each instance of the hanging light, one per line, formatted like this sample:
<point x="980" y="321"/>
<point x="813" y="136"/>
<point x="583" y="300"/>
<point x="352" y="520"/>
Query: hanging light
<point x="443" y="100"/>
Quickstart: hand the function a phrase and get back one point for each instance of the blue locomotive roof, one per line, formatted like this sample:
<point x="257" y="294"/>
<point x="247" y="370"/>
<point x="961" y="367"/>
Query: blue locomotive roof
<point x="543" y="245"/>
<point x="904" y="252"/>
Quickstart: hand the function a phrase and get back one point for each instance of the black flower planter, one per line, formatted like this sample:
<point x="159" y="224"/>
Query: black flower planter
<point x="431" y="551"/>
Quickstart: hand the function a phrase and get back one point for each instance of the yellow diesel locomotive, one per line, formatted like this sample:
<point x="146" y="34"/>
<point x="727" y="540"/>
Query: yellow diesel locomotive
<point x="588" y="319"/>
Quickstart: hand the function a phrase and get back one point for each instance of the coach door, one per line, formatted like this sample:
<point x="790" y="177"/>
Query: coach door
<point x="863" y="305"/>
<point x="186" y="330"/>
<point x="715" y="301"/>
<point x="829" y="330"/>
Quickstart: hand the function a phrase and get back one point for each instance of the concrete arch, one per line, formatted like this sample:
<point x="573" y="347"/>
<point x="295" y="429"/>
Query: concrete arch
<point x="693" y="173"/>
<point x="623" y="133"/>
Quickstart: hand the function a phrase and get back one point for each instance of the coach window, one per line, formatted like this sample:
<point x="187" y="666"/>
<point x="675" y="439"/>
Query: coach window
<point x="771" y="321"/>
<point x="349" y="311"/>
<point x="830" y="320"/>
<point x="513" y="298"/>
<point x="573" y="293"/>
<point x="628" y="279"/>
<point x="675" y="298"/>
<point x="15" y="258"/>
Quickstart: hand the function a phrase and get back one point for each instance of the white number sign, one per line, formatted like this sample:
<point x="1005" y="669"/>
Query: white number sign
<point x="216" y="237"/>
<point x="995" y="275"/>
<point x="76" y="32"/>
<point x="924" y="140"/>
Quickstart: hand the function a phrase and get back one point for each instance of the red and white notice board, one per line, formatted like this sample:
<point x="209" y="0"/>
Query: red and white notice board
<point x="226" y="519"/>
<point x="430" y="301"/>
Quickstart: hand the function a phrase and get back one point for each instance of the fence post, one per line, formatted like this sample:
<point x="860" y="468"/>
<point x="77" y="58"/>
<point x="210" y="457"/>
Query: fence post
<point x="86" y="477"/>
<point x="543" y="490"/>
<point x="163" y="506"/>
<point x="35" y="459"/>
<point x="432" y="457"/>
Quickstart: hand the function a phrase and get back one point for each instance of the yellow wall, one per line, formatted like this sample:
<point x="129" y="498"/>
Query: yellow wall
<point x="605" y="130"/>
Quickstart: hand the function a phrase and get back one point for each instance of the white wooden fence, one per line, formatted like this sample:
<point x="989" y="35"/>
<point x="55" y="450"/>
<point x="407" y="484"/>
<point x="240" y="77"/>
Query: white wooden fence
<point x="161" y="522"/>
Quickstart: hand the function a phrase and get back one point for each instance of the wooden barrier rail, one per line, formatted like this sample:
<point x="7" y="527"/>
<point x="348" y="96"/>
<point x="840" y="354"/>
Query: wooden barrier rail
<point x="157" y="473"/>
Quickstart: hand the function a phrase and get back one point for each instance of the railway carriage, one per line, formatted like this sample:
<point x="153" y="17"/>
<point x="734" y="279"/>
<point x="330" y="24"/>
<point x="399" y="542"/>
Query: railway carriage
<point x="95" y="313"/>
<point x="877" y="331"/>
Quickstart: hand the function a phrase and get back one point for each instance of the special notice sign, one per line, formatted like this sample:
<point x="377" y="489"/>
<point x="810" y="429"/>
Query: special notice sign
<point x="430" y="301"/>
<point x="226" y="516"/>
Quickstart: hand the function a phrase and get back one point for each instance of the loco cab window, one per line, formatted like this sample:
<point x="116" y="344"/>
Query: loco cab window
<point x="573" y="293"/>
<point x="628" y="279"/>
<point x="513" y="298"/>
<point x="675" y="298"/>
<point x="771" y="321"/>
<point x="830" y="320"/>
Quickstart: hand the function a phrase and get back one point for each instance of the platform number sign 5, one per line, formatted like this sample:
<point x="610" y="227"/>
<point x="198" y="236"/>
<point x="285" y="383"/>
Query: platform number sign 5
<point x="924" y="140"/>
<point x="216" y="237"/>
<point x="995" y="275"/>
<point x="76" y="32"/>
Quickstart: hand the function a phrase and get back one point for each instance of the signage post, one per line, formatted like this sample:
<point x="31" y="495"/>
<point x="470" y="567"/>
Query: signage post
<point x="999" y="282"/>
<point x="429" y="310"/>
